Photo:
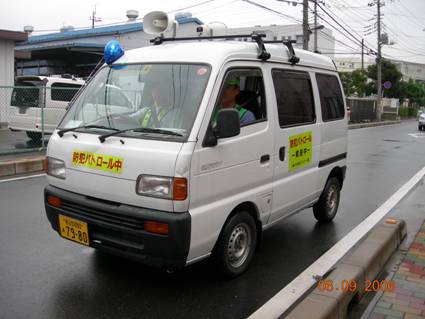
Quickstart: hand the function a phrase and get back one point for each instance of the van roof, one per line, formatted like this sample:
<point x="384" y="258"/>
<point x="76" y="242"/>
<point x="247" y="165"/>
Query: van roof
<point x="216" y="52"/>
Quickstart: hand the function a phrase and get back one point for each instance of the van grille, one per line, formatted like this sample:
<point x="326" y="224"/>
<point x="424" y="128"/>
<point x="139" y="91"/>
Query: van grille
<point x="103" y="216"/>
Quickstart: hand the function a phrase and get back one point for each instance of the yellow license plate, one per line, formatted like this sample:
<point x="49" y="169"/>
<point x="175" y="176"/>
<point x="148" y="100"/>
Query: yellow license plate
<point x="74" y="229"/>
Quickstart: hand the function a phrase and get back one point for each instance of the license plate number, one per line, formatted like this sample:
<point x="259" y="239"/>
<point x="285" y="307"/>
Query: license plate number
<point x="74" y="230"/>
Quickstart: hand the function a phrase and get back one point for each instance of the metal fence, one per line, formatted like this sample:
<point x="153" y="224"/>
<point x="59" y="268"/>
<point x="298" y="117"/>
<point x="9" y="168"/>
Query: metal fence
<point x="29" y="114"/>
<point x="362" y="109"/>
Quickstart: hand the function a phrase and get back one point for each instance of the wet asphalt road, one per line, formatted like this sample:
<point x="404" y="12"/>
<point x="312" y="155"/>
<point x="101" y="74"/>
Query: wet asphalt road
<point x="44" y="276"/>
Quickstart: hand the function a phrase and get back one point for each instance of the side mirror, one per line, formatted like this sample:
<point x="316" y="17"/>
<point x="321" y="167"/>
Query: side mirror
<point x="228" y="123"/>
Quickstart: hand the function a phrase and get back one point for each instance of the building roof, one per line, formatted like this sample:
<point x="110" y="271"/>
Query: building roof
<point x="13" y="35"/>
<point x="84" y="33"/>
<point x="76" y="45"/>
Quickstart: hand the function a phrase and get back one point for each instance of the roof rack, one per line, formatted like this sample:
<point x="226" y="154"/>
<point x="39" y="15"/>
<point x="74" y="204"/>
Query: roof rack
<point x="293" y="59"/>
<point x="256" y="37"/>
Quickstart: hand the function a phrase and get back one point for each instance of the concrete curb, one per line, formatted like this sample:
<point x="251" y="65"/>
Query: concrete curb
<point x="22" y="166"/>
<point x="372" y="124"/>
<point x="346" y="282"/>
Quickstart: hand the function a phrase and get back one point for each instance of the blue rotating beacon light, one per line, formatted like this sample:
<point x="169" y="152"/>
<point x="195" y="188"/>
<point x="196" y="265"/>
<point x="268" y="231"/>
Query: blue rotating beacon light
<point x="113" y="51"/>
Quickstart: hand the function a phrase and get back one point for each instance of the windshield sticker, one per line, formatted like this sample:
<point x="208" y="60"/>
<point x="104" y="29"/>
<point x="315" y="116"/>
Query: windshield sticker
<point x="300" y="150"/>
<point x="202" y="71"/>
<point x="102" y="162"/>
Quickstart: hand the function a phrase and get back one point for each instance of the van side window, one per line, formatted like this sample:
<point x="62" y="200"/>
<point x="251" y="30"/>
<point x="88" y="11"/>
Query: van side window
<point x="330" y="97"/>
<point x="294" y="96"/>
<point x="243" y="89"/>
<point x="63" y="91"/>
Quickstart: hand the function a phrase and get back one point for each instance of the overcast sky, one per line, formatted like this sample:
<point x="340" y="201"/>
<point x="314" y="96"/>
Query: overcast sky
<point x="404" y="20"/>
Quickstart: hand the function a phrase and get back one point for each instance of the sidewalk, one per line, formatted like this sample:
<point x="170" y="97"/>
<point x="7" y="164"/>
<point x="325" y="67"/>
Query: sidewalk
<point x="408" y="299"/>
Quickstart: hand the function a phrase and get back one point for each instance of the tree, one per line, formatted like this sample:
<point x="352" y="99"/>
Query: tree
<point x="389" y="73"/>
<point x="411" y="90"/>
<point x="354" y="83"/>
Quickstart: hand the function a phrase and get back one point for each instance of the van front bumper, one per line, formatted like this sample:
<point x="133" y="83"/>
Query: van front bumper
<point x="119" y="229"/>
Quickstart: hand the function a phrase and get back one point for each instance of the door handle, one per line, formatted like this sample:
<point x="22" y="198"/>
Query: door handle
<point x="282" y="153"/>
<point x="264" y="158"/>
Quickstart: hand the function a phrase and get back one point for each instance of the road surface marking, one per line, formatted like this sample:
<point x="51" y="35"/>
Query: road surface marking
<point x="22" y="177"/>
<point x="283" y="301"/>
<point x="417" y="135"/>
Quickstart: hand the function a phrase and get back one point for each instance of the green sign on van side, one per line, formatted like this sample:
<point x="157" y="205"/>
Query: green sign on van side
<point x="300" y="150"/>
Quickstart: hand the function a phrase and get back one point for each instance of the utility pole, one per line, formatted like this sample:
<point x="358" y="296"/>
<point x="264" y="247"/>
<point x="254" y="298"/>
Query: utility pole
<point x="315" y="26"/>
<point x="93" y="18"/>
<point x="378" y="63"/>
<point x="306" y="31"/>
<point x="362" y="54"/>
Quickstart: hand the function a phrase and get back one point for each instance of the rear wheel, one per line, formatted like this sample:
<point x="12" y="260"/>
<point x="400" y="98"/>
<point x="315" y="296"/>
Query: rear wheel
<point x="35" y="136"/>
<point x="235" y="246"/>
<point x="327" y="206"/>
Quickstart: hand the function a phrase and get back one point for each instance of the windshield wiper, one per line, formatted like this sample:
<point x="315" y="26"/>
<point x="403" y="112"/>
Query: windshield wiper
<point x="62" y="132"/>
<point x="102" y="138"/>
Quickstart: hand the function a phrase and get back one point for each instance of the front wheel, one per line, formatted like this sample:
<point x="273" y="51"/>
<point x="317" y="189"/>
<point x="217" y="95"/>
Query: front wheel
<point x="236" y="244"/>
<point x="327" y="206"/>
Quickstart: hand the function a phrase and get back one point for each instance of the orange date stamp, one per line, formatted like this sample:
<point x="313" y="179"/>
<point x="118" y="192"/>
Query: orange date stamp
<point x="352" y="285"/>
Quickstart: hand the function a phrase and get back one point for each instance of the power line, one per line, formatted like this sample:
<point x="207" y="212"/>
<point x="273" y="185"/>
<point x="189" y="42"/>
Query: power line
<point x="272" y="10"/>
<point x="339" y="24"/>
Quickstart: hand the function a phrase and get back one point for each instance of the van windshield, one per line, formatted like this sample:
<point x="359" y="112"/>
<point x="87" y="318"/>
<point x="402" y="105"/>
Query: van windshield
<point x="26" y="93"/>
<point x="157" y="96"/>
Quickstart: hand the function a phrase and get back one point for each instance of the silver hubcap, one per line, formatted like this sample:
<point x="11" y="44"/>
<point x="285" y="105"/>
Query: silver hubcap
<point x="332" y="200"/>
<point x="239" y="245"/>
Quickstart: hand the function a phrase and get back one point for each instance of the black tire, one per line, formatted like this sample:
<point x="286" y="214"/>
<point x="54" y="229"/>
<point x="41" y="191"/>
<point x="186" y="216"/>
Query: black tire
<point x="35" y="136"/>
<point x="327" y="206"/>
<point x="235" y="246"/>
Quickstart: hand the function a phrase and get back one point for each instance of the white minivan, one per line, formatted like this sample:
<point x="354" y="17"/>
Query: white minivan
<point x="223" y="139"/>
<point x="30" y="93"/>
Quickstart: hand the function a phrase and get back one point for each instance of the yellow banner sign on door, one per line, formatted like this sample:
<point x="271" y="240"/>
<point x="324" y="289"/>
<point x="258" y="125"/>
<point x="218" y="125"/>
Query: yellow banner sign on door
<point x="102" y="162"/>
<point x="300" y="150"/>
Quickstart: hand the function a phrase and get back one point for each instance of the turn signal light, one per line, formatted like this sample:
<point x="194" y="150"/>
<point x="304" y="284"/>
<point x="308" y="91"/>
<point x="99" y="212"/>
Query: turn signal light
<point x="179" y="188"/>
<point x="156" y="227"/>
<point x="54" y="201"/>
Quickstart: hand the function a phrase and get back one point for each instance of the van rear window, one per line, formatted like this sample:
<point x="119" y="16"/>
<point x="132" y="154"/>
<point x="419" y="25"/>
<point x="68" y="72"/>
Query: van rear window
<point x="63" y="91"/>
<point x="330" y="97"/>
<point x="26" y="94"/>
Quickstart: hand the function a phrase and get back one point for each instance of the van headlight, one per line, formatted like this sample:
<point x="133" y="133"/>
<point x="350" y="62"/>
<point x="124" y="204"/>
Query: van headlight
<point x="162" y="187"/>
<point x="55" y="167"/>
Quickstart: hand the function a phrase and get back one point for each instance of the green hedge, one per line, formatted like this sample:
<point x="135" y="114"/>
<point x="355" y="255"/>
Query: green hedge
<point x="407" y="111"/>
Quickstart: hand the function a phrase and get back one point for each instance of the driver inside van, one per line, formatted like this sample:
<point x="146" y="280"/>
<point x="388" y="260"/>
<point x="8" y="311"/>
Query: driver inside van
<point x="228" y="100"/>
<point x="157" y="106"/>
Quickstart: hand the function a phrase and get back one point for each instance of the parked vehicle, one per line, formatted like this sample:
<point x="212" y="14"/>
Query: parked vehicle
<point x="185" y="174"/>
<point x="28" y="96"/>
<point x="421" y="122"/>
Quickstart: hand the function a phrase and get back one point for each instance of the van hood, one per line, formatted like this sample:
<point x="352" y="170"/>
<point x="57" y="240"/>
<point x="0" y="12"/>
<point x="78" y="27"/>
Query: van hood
<point x="109" y="170"/>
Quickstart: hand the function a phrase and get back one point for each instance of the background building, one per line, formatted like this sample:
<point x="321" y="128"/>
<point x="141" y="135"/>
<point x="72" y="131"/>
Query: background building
<point x="409" y="70"/>
<point x="78" y="51"/>
<point x="7" y="62"/>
